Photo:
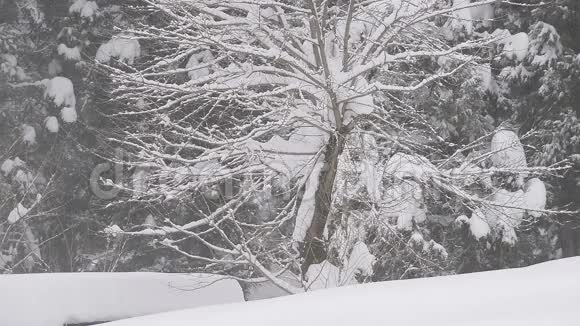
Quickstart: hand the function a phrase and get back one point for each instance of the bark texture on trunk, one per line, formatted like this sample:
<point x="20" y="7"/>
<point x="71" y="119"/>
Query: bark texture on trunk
<point x="314" y="250"/>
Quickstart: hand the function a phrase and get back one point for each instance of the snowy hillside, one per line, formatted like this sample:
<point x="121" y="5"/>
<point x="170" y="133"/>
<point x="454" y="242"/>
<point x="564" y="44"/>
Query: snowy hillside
<point x="61" y="298"/>
<point x="545" y="294"/>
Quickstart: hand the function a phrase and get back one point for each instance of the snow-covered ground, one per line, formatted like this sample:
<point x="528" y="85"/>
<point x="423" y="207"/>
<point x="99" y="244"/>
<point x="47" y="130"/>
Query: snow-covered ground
<point x="545" y="294"/>
<point x="57" y="299"/>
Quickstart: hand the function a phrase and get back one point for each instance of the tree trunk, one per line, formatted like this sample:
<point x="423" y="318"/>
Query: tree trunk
<point x="570" y="240"/>
<point x="314" y="250"/>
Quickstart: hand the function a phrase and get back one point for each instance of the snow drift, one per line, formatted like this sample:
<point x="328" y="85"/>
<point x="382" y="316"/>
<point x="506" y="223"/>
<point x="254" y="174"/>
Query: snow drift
<point x="59" y="298"/>
<point x="545" y="294"/>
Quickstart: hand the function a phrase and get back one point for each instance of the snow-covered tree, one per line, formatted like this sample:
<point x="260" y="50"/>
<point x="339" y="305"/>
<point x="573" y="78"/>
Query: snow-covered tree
<point x="294" y="109"/>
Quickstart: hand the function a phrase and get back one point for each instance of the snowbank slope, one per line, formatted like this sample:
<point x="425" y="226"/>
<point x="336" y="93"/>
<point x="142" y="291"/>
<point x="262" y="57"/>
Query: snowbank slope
<point x="545" y="294"/>
<point x="56" y="299"/>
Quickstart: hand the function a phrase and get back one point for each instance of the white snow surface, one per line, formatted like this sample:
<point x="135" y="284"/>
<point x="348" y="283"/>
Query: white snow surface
<point x="542" y="295"/>
<point x="123" y="47"/>
<point x="28" y="134"/>
<point x="477" y="224"/>
<point x="326" y="275"/>
<point x="113" y="230"/>
<point x="461" y="219"/>
<point x="360" y="105"/>
<point x="9" y="66"/>
<point x="84" y="8"/>
<point x="68" y="114"/>
<point x="54" y="299"/>
<point x="360" y="261"/>
<point x="437" y="249"/>
<point x="503" y="215"/>
<point x="416" y="238"/>
<point x="307" y="207"/>
<point x="18" y="212"/>
<point x="61" y="90"/>
<point x="9" y="164"/>
<point x="535" y="196"/>
<point x="516" y="46"/>
<point x="51" y="123"/>
<point x="73" y="53"/>
<point x="198" y="64"/>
